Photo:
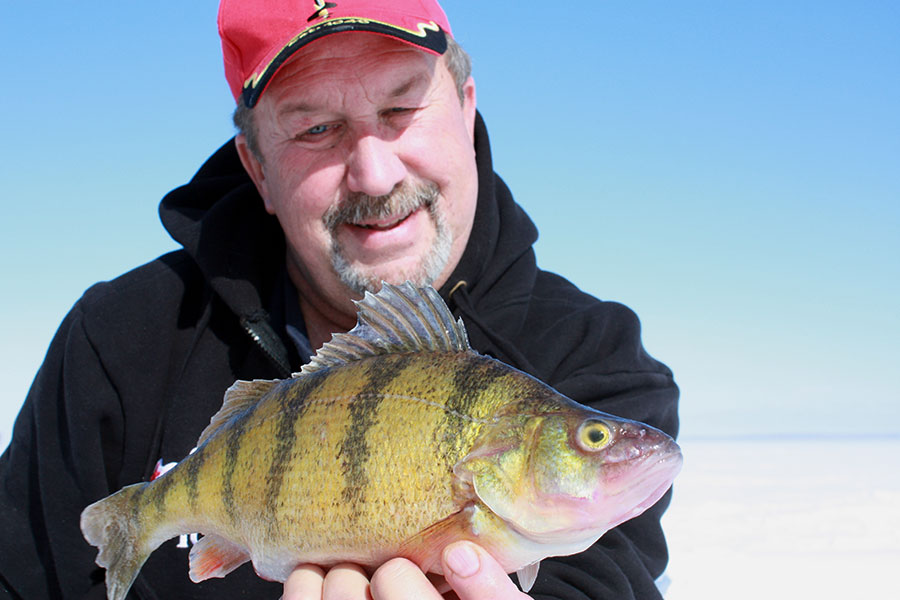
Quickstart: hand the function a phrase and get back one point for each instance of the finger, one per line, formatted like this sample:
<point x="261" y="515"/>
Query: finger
<point x="401" y="579"/>
<point x="305" y="583"/>
<point x="439" y="583"/>
<point x="346" y="582"/>
<point x="474" y="574"/>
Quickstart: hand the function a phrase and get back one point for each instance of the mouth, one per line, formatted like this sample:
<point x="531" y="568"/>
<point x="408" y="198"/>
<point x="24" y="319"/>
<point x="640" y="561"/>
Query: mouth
<point x="376" y="238"/>
<point x="382" y="224"/>
<point x="368" y="215"/>
<point x="647" y="475"/>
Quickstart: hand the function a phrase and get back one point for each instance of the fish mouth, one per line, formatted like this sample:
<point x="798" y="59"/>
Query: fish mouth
<point x="663" y="472"/>
<point x="633" y="463"/>
<point x="639" y="489"/>
<point x="653" y="481"/>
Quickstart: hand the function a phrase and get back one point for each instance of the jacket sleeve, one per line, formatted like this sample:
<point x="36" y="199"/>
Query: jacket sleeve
<point x="605" y="366"/>
<point x="63" y="454"/>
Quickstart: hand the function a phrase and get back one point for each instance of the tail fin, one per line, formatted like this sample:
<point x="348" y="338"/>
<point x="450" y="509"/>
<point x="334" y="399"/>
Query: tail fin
<point x="114" y="526"/>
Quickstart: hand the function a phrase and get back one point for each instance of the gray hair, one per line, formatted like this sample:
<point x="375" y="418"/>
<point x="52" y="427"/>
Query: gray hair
<point x="458" y="63"/>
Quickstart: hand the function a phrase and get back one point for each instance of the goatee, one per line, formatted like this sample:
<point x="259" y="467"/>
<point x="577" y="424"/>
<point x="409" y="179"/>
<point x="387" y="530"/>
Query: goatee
<point x="403" y="200"/>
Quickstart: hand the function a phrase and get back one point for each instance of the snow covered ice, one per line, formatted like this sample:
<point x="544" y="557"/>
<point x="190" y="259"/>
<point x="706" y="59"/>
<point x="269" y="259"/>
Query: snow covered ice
<point x="786" y="518"/>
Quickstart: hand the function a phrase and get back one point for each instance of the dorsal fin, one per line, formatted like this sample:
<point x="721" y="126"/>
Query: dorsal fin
<point x="399" y="318"/>
<point x="238" y="398"/>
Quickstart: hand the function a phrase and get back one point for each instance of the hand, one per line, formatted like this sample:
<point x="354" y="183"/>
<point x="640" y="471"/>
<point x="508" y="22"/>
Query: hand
<point x="475" y="575"/>
<point x="472" y="573"/>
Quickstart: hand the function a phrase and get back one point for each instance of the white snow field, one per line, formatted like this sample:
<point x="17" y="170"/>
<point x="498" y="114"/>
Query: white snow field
<point x="786" y="518"/>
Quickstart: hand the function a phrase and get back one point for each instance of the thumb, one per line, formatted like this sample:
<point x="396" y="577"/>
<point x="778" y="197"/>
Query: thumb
<point x="474" y="574"/>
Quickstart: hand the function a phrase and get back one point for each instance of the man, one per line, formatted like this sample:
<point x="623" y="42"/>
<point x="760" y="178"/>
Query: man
<point x="361" y="158"/>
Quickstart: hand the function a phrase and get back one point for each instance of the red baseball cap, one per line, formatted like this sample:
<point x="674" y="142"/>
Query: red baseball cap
<point x="258" y="36"/>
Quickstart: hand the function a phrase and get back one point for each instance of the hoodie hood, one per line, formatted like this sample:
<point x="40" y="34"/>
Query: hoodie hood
<point x="500" y="245"/>
<point x="219" y="219"/>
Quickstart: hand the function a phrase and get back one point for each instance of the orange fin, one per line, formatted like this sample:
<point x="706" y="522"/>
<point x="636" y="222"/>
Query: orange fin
<point x="214" y="556"/>
<point x="425" y="547"/>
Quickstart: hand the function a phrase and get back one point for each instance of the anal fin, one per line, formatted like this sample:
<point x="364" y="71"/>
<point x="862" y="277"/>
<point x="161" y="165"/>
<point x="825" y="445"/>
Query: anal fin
<point x="214" y="556"/>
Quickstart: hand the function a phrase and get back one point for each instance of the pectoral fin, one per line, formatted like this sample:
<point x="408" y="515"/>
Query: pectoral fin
<point x="425" y="547"/>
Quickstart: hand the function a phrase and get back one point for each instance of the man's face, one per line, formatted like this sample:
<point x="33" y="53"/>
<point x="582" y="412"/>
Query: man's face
<point x="368" y="164"/>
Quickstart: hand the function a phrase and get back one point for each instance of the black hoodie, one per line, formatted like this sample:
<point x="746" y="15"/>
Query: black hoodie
<point x="140" y="364"/>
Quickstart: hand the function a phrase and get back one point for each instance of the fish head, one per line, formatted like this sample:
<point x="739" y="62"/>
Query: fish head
<point x="565" y="478"/>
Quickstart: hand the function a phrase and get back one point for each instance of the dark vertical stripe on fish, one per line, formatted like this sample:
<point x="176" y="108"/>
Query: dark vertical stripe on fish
<point x="292" y="400"/>
<point x="157" y="491"/>
<point x="137" y="501"/>
<point x="355" y="450"/>
<point x="192" y="475"/>
<point x="468" y="386"/>
<point x="232" y="450"/>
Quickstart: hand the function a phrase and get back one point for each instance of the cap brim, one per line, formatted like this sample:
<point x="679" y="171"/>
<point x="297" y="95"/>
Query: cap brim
<point x="430" y="37"/>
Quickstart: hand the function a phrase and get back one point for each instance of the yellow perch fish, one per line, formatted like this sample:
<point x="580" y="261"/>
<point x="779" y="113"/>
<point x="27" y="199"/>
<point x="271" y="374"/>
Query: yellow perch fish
<point x="395" y="440"/>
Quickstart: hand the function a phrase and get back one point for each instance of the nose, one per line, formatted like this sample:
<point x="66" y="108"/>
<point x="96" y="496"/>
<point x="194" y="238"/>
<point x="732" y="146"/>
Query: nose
<point x="373" y="167"/>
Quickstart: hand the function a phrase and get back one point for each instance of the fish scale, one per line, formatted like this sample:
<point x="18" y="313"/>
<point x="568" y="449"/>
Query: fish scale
<point x="395" y="440"/>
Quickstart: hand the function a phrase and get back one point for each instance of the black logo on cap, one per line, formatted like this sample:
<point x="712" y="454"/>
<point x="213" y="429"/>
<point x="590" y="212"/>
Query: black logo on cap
<point x="321" y="10"/>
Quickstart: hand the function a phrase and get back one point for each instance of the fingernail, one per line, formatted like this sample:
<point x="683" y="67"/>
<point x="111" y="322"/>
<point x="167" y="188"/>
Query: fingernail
<point x="462" y="560"/>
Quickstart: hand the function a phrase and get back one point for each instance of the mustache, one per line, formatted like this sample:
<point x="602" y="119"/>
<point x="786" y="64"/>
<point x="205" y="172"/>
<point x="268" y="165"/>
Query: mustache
<point x="403" y="199"/>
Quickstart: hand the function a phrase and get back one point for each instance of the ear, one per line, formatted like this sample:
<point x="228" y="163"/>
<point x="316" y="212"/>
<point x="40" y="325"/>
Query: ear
<point x="254" y="168"/>
<point x="469" y="106"/>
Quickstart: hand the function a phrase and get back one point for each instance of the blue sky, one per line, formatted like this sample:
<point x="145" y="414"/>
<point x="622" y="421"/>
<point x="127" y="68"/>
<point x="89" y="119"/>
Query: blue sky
<point x="729" y="170"/>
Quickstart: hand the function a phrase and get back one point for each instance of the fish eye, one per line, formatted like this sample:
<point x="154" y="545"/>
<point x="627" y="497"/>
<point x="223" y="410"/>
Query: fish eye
<point x="594" y="435"/>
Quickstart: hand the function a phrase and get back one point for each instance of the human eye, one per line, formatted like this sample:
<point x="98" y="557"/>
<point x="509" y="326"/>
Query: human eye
<point x="399" y="116"/>
<point x="318" y="133"/>
<point x="403" y="111"/>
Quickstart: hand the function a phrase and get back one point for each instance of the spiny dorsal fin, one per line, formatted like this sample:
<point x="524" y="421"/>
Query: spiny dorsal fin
<point x="238" y="398"/>
<point x="399" y="318"/>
